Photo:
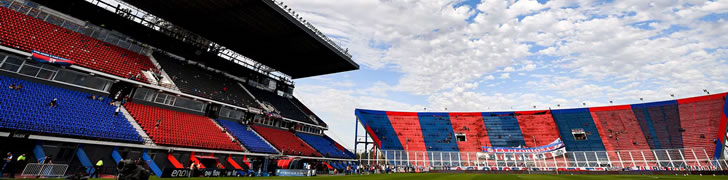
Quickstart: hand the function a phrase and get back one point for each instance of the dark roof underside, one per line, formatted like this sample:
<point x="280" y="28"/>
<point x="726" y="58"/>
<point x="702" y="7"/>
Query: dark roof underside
<point x="258" y="29"/>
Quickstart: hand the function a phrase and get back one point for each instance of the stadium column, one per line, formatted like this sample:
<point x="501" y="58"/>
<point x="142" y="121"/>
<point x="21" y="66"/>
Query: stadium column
<point x="152" y="165"/>
<point x="81" y="154"/>
<point x="115" y="155"/>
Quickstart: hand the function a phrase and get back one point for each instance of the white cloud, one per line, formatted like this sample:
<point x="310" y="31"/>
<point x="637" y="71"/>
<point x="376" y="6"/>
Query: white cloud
<point x="593" y="53"/>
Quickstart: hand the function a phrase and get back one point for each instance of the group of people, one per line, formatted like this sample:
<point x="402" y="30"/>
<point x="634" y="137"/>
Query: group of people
<point x="11" y="164"/>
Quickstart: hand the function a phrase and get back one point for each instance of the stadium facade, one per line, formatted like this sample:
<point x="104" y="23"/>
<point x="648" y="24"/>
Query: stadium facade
<point x="84" y="81"/>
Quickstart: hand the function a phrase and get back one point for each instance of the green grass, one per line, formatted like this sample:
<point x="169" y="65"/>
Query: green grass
<point x="428" y="176"/>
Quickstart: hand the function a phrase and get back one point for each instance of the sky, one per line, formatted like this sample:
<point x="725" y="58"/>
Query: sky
<point x="504" y="55"/>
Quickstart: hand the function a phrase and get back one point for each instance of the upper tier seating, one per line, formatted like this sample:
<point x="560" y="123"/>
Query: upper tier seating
<point x="282" y="104"/>
<point x="180" y="129"/>
<point x="193" y="79"/>
<point x="28" y="109"/>
<point x="27" y="34"/>
<point x="323" y="145"/>
<point x="285" y="141"/>
<point x="245" y="135"/>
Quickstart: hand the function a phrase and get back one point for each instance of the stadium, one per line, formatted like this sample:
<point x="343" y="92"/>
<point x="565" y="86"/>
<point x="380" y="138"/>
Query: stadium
<point x="137" y="89"/>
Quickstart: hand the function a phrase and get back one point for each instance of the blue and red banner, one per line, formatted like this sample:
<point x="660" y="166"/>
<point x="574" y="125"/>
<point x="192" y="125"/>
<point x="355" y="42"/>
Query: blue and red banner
<point x="557" y="144"/>
<point x="41" y="57"/>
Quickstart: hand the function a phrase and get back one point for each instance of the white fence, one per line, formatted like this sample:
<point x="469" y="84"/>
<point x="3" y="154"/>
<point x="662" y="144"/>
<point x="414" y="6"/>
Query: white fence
<point x="45" y="170"/>
<point x="691" y="158"/>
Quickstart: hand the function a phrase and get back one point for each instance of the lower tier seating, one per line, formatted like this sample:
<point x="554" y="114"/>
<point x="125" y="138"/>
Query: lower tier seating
<point x="28" y="109"/>
<point x="168" y="127"/>
<point x="247" y="136"/>
<point x="323" y="145"/>
<point x="286" y="141"/>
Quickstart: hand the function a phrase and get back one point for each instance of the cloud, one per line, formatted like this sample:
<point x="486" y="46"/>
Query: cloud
<point x="564" y="52"/>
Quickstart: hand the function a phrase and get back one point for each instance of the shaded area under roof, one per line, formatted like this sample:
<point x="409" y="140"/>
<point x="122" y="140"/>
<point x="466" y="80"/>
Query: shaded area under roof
<point x="258" y="29"/>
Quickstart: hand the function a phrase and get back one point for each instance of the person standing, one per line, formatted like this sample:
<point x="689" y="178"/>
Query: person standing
<point x="98" y="167"/>
<point x="19" y="165"/>
<point x="6" y="163"/>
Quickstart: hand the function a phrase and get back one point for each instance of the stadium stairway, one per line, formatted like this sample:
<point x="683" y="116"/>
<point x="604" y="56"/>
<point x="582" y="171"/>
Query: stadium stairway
<point x="147" y="141"/>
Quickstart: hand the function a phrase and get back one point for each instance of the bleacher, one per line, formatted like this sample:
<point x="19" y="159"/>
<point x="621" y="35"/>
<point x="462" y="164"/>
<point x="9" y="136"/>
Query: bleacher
<point x="282" y="104"/>
<point x="699" y="117"/>
<point x="323" y="145"/>
<point x="180" y="129"/>
<point x="538" y="127"/>
<point x="26" y="33"/>
<point x="193" y="79"/>
<point x="620" y="130"/>
<point x="471" y="124"/>
<point x="503" y="129"/>
<point x="247" y="137"/>
<point x="28" y="109"/>
<point x="285" y="141"/>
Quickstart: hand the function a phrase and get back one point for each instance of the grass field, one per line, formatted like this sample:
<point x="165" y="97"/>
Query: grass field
<point x="427" y="176"/>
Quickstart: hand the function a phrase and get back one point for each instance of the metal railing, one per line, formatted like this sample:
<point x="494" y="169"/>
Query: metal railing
<point x="156" y="23"/>
<point x="45" y="170"/>
<point x="311" y="27"/>
<point x="688" y="158"/>
<point x="34" y="10"/>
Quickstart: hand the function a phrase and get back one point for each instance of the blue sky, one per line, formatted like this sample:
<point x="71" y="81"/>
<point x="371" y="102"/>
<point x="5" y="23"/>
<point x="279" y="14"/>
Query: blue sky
<point x="494" y="55"/>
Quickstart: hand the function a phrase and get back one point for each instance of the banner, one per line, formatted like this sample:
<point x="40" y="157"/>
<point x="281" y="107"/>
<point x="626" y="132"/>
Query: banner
<point x="41" y="57"/>
<point x="557" y="144"/>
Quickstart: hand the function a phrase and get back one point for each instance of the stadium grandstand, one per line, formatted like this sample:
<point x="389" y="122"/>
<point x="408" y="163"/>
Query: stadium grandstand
<point x="93" y="87"/>
<point x="678" y="134"/>
<point x="87" y="82"/>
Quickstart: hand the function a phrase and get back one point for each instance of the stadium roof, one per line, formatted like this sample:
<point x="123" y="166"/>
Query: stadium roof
<point x="258" y="29"/>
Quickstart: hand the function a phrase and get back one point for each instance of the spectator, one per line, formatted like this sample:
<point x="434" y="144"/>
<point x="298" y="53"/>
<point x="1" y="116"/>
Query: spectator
<point x="92" y="97"/>
<point x="12" y="86"/>
<point x="54" y="102"/>
<point x="19" y="165"/>
<point x="18" y="87"/>
<point x="159" y="122"/>
<point x="6" y="163"/>
<point x="97" y="168"/>
<point x="116" y="111"/>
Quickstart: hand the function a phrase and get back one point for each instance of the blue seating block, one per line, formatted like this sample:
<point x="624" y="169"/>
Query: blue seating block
<point x="76" y="115"/>
<point x="323" y="145"/>
<point x="245" y="135"/>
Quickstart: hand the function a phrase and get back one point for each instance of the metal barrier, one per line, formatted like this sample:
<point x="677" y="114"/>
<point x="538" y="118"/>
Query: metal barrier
<point x="45" y="170"/>
<point x="687" y="158"/>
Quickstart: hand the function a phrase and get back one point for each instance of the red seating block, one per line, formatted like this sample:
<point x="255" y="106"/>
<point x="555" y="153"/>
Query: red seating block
<point x="26" y="33"/>
<point x="180" y="129"/>
<point x="286" y="142"/>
